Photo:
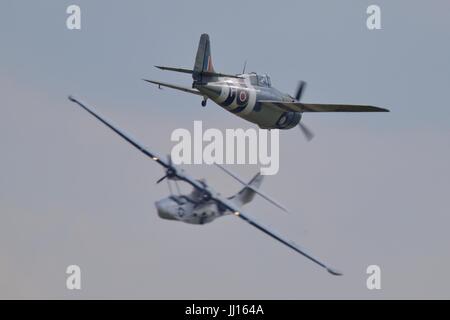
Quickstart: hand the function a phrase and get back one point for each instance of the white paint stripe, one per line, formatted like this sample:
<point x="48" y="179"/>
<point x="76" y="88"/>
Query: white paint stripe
<point x="251" y="99"/>
<point x="223" y="93"/>
<point x="234" y="83"/>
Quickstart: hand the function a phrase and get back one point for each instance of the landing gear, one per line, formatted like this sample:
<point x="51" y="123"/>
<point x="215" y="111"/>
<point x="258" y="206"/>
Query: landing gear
<point x="204" y="102"/>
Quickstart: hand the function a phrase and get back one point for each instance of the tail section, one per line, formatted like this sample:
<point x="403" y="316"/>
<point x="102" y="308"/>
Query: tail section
<point x="203" y="67"/>
<point x="203" y="71"/>
<point x="248" y="193"/>
<point x="203" y="60"/>
<point x="245" y="196"/>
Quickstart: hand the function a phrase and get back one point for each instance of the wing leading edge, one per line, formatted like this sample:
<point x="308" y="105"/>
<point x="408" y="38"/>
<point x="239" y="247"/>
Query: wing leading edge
<point x="166" y="164"/>
<point x="293" y="246"/>
<point x="314" y="107"/>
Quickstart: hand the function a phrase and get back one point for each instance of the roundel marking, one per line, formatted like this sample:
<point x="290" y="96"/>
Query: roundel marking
<point x="243" y="95"/>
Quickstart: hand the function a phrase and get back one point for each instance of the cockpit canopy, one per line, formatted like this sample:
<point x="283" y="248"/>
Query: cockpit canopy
<point x="260" y="80"/>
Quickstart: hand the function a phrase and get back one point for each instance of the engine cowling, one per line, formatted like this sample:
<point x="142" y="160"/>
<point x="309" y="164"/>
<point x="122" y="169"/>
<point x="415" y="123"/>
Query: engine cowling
<point x="289" y="120"/>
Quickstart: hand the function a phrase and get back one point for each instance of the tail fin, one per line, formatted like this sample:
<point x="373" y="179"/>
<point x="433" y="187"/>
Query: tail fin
<point x="203" y="60"/>
<point x="203" y="68"/>
<point x="247" y="193"/>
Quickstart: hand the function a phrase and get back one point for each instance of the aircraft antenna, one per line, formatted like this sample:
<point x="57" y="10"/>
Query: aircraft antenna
<point x="245" y="66"/>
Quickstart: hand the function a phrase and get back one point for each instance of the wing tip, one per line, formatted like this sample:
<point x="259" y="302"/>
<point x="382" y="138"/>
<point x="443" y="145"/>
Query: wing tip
<point x="334" y="272"/>
<point x="72" y="98"/>
<point x="152" y="82"/>
<point x="382" y="109"/>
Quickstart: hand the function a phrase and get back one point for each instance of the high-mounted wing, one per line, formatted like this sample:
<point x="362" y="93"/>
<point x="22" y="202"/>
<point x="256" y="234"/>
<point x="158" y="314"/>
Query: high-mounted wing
<point x="311" y="107"/>
<point x="171" y="170"/>
<point x="174" y="86"/>
<point x="121" y="133"/>
<point x="293" y="246"/>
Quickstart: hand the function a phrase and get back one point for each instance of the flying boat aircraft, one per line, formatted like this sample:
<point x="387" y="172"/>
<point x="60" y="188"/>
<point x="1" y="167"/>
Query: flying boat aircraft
<point x="204" y="204"/>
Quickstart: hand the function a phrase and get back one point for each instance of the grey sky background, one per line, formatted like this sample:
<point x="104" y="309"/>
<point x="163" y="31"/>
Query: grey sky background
<point x="369" y="189"/>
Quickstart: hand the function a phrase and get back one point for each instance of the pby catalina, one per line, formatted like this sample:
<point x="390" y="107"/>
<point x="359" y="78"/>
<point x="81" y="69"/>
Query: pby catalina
<point x="251" y="96"/>
<point x="203" y="204"/>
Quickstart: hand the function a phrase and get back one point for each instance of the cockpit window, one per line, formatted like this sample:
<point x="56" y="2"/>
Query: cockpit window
<point x="253" y="80"/>
<point x="264" y="81"/>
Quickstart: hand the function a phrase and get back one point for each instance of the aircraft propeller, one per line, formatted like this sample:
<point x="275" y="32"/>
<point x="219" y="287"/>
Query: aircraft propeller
<point x="170" y="171"/>
<point x="304" y="129"/>
<point x="299" y="93"/>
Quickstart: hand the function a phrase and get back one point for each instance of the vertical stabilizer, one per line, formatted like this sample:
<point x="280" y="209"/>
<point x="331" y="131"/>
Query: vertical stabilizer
<point x="203" y="60"/>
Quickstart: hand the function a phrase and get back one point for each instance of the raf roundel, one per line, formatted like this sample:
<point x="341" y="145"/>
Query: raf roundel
<point x="243" y="96"/>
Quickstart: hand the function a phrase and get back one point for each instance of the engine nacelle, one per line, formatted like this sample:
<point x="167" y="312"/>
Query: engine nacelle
<point x="289" y="120"/>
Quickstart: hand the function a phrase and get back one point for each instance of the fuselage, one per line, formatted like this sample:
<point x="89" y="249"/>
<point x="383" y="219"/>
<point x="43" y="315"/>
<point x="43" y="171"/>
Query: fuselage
<point x="241" y="97"/>
<point x="184" y="208"/>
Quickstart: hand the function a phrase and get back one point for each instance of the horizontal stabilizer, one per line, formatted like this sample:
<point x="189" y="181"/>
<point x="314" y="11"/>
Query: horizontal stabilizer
<point x="252" y="187"/>
<point x="175" y="69"/>
<point x="173" y="86"/>
<point x="247" y="194"/>
<point x="203" y="73"/>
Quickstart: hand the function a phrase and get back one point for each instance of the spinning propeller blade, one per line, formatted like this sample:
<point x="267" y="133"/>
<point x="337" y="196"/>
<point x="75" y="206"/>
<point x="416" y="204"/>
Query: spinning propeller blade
<point x="305" y="130"/>
<point x="170" y="172"/>
<point x="161" y="179"/>
<point x="300" y="88"/>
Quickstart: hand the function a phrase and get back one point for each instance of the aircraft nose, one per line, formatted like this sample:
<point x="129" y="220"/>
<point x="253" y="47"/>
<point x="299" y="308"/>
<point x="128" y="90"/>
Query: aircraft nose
<point x="159" y="205"/>
<point x="163" y="208"/>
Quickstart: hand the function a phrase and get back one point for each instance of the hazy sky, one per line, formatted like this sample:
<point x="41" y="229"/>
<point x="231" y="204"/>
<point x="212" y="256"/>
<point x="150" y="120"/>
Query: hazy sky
<point x="369" y="189"/>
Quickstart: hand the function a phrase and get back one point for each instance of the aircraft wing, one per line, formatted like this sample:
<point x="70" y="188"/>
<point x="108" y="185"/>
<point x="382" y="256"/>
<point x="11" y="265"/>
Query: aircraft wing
<point x="244" y="216"/>
<point x="174" y="86"/>
<point x="166" y="164"/>
<point x="311" y="107"/>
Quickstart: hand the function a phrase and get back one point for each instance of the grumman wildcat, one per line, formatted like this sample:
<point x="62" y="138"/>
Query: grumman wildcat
<point x="251" y="96"/>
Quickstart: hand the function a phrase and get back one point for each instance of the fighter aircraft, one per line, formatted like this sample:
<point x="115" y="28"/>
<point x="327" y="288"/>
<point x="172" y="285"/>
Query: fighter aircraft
<point x="203" y="204"/>
<point x="251" y="96"/>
